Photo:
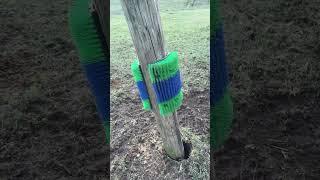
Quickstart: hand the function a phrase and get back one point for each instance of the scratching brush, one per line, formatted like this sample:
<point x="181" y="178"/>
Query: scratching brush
<point x="215" y="18"/>
<point x="221" y="103"/>
<point x="221" y="120"/>
<point x="166" y="82"/>
<point x="88" y="40"/>
<point x="84" y="32"/>
<point x="138" y="78"/>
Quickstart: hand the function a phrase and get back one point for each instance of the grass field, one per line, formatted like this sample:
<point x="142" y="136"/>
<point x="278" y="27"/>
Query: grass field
<point x="186" y="30"/>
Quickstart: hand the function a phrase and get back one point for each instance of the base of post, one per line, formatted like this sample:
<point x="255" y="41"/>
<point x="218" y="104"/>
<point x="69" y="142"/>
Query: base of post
<point x="187" y="151"/>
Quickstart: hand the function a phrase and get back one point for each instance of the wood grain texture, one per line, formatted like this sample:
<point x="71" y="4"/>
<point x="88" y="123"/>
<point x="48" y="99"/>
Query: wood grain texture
<point x="144" y="24"/>
<point x="102" y="8"/>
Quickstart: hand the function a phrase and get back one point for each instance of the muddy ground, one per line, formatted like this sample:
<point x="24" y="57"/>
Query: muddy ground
<point x="49" y="127"/>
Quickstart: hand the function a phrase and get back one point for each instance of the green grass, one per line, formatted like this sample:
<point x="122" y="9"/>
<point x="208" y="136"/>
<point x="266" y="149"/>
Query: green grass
<point x="185" y="30"/>
<point x="165" y="5"/>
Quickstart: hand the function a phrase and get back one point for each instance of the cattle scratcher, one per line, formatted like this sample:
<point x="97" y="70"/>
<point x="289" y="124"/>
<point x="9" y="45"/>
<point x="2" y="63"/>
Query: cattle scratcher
<point x="166" y="83"/>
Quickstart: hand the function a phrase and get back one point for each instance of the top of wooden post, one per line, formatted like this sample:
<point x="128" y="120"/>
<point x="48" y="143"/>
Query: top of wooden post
<point x="102" y="8"/>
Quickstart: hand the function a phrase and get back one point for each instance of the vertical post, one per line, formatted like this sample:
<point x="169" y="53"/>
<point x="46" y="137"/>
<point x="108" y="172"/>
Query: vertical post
<point x="101" y="7"/>
<point x="144" y="24"/>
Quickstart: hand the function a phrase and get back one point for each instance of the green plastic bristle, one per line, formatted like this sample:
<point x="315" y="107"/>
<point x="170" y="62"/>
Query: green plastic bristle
<point x="168" y="107"/>
<point x="146" y="104"/>
<point x="107" y="131"/>
<point x="84" y="32"/>
<point x="165" y="68"/>
<point x="215" y="18"/>
<point x="137" y="76"/>
<point x="136" y="71"/>
<point x="221" y="120"/>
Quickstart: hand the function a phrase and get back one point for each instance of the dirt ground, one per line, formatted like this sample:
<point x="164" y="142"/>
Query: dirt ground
<point x="49" y="127"/>
<point x="136" y="148"/>
<point x="273" y="52"/>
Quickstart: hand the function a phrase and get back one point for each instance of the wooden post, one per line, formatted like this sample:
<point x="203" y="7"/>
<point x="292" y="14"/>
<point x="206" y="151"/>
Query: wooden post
<point x="145" y="27"/>
<point x="102" y="9"/>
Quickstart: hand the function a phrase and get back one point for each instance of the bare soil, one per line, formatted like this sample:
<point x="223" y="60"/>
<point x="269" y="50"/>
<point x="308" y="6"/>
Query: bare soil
<point x="136" y="145"/>
<point x="49" y="126"/>
<point x="273" y="52"/>
<point x="50" y="129"/>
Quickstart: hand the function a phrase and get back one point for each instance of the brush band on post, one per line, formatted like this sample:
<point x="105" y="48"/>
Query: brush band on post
<point x="220" y="98"/>
<point x="97" y="78"/>
<point x="215" y="18"/>
<point x="166" y="82"/>
<point x="221" y="120"/>
<point x="106" y="126"/>
<point x="84" y="32"/>
<point x="138" y="78"/>
<point x="218" y="66"/>
<point x="90" y="44"/>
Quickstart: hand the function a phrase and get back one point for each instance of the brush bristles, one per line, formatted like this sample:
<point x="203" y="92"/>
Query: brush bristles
<point x="136" y="71"/>
<point x="165" y="68"/>
<point x="84" y="33"/>
<point x="138" y="78"/>
<point x="221" y="120"/>
<point x="106" y="126"/>
<point x="89" y="45"/>
<point x="146" y="104"/>
<point x="165" y="78"/>
<point x="215" y="19"/>
<point x="168" y="107"/>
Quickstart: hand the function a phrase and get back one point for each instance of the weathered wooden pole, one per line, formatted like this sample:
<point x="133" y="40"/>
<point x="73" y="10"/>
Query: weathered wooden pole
<point x="102" y="8"/>
<point x="145" y="27"/>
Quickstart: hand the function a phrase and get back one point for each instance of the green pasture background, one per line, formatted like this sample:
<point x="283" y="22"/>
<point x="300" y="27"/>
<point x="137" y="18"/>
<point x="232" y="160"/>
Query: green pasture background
<point x="186" y="30"/>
